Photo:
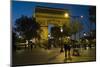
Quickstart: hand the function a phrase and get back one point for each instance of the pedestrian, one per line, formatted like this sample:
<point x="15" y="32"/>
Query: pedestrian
<point x="26" y="44"/>
<point x="69" y="51"/>
<point x="31" y="45"/>
<point x="65" y="49"/>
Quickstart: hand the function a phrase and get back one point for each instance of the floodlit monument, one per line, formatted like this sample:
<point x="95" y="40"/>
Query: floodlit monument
<point x="47" y="15"/>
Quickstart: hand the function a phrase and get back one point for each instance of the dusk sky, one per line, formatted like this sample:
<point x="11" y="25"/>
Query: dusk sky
<point x="20" y="8"/>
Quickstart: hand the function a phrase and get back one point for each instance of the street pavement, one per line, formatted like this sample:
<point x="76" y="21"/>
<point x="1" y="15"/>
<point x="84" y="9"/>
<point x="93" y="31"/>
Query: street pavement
<point x="85" y="55"/>
<point x="45" y="56"/>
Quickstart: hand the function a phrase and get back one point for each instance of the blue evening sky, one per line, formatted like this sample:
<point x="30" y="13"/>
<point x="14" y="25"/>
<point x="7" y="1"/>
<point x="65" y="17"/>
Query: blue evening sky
<point x="20" y="8"/>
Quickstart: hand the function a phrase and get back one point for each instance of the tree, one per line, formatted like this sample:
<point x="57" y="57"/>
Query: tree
<point x="27" y="27"/>
<point x="67" y="31"/>
<point x="14" y="38"/>
<point x="92" y="18"/>
<point x="55" y="32"/>
<point x="92" y="14"/>
<point x="76" y="27"/>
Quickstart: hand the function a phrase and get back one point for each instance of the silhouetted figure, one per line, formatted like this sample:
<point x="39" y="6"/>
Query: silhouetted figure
<point x="62" y="45"/>
<point x="31" y="45"/>
<point x="26" y="44"/>
<point x="69" y="53"/>
<point x="67" y="49"/>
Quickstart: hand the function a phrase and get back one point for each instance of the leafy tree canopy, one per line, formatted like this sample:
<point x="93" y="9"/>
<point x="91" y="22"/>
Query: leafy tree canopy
<point x="27" y="27"/>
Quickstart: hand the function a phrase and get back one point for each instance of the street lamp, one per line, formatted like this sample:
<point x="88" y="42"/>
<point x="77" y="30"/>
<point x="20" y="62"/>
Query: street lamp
<point x="81" y="16"/>
<point x="66" y="15"/>
<point x="68" y="37"/>
<point x="84" y="34"/>
<point x="20" y="36"/>
<point x="49" y="36"/>
<point x="61" y="40"/>
<point x="61" y="30"/>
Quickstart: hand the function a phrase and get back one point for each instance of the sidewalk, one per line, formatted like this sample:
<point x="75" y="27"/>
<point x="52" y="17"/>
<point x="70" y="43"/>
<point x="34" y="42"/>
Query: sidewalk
<point x="85" y="55"/>
<point x="36" y="56"/>
<point x="44" y="56"/>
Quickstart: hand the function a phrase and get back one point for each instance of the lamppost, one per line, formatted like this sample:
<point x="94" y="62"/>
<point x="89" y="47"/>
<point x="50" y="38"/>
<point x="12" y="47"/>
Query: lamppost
<point x="66" y="15"/>
<point x="75" y="17"/>
<point x="49" y="37"/>
<point x="61" y="30"/>
<point x="84" y="40"/>
<point x="61" y="40"/>
<point x="78" y="18"/>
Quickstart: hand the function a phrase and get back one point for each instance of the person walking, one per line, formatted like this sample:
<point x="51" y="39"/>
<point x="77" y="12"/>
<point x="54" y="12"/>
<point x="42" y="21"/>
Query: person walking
<point x="69" y="51"/>
<point x="26" y="44"/>
<point x="67" y="48"/>
<point x="31" y="45"/>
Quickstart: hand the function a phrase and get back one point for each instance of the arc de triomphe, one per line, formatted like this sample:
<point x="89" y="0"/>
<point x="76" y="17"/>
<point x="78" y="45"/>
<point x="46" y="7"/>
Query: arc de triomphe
<point x="47" y="15"/>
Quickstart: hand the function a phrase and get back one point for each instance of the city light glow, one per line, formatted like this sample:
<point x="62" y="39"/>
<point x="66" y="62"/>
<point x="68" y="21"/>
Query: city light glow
<point x="82" y="16"/>
<point x="66" y="15"/>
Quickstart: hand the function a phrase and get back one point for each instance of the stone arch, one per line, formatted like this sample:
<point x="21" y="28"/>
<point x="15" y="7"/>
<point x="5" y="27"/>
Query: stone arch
<point x="48" y="15"/>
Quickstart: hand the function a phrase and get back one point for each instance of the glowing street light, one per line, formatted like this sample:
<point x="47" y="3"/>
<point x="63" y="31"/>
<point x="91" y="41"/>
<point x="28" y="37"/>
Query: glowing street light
<point x="49" y="35"/>
<point x="84" y="34"/>
<point x="61" y="30"/>
<point x="66" y="15"/>
<point x="20" y="36"/>
<point x="81" y="16"/>
<point x="61" y="40"/>
<point x="68" y="37"/>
